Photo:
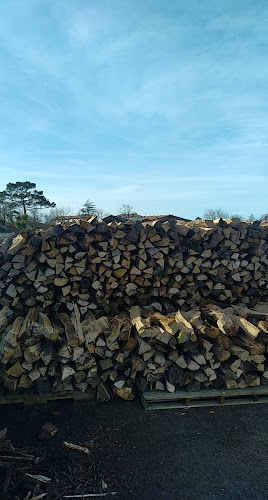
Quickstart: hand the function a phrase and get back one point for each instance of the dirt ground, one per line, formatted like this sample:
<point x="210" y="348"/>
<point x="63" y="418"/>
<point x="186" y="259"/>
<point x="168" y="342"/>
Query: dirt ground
<point x="194" y="454"/>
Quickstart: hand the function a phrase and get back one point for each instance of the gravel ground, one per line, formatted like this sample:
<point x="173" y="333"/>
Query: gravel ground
<point x="194" y="454"/>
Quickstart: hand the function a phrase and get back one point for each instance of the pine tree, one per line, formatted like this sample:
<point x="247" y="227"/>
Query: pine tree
<point x="88" y="208"/>
<point x="23" y="195"/>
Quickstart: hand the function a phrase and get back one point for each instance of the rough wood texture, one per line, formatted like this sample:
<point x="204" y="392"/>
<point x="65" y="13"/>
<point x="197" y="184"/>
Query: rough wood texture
<point x="116" y="306"/>
<point x="110" y="267"/>
<point x="140" y="349"/>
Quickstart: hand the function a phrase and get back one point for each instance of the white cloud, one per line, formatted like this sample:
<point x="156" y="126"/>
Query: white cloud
<point x="131" y="99"/>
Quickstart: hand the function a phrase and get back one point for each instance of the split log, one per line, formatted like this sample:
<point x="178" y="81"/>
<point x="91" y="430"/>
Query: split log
<point x="115" y="355"/>
<point x="196" y="293"/>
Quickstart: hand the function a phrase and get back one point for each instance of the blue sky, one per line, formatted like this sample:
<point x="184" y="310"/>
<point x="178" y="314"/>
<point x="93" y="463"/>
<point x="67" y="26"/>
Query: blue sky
<point x="159" y="104"/>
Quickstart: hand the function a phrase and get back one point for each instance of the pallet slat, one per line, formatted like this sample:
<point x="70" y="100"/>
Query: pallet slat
<point x="154" y="400"/>
<point x="39" y="400"/>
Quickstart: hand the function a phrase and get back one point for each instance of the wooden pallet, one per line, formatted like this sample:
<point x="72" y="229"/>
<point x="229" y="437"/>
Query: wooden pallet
<point x="31" y="399"/>
<point x="163" y="400"/>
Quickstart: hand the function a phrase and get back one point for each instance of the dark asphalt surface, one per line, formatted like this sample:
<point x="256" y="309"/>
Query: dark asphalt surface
<point x="195" y="454"/>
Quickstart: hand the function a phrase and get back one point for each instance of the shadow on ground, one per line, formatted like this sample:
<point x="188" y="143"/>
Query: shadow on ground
<point x="194" y="454"/>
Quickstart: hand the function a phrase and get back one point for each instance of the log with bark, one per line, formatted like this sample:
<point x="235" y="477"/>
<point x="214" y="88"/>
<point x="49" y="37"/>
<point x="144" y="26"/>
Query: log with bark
<point x="115" y="306"/>
<point x="139" y="349"/>
<point x="107" y="268"/>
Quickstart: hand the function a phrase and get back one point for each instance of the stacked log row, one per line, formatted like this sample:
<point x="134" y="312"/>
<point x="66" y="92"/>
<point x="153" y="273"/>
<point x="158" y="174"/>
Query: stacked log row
<point x="200" y="348"/>
<point x="109" y="267"/>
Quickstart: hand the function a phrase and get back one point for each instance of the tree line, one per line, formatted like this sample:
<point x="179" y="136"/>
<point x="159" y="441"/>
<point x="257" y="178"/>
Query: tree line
<point x="217" y="213"/>
<point x="22" y="206"/>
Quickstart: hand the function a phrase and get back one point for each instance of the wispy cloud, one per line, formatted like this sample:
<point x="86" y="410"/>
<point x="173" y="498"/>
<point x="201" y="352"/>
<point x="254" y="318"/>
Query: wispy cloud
<point x="112" y="99"/>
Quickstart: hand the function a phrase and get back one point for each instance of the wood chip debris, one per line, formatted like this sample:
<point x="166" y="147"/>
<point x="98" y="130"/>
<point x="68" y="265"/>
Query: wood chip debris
<point x="39" y="477"/>
<point x="48" y="431"/>
<point x="86" y="495"/>
<point x="77" y="447"/>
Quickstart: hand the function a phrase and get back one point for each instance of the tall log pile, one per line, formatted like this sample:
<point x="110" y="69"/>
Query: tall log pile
<point x="123" y="305"/>
<point x="110" y="267"/>
<point x="208" y="347"/>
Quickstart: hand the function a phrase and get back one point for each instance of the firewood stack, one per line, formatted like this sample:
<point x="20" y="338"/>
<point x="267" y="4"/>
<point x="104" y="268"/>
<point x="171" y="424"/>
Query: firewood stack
<point x="118" y="306"/>
<point x="200" y="348"/>
<point x="109" y="267"/>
